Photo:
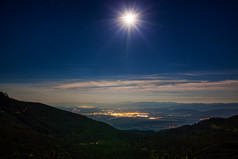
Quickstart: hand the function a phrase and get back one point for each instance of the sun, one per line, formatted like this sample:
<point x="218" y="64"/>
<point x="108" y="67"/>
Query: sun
<point x="129" y="19"/>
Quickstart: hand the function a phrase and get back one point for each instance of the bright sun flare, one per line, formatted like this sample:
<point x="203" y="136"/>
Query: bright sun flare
<point x="129" y="19"/>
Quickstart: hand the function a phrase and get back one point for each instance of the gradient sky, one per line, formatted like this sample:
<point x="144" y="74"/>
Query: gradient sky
<point x="71" y="51"/>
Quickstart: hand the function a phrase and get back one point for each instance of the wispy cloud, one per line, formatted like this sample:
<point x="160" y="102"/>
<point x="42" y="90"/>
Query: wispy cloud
<point x="151" y="85"/>
<point x="137" y="88"/>
<point x="116" y="83"/>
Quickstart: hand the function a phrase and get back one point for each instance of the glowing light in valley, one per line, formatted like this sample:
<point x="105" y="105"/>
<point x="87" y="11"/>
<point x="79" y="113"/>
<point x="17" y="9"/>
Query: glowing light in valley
<point x="204" y="119"/>
<point x="86" y="106"/>
<point x="171" y="127"/>
<point x="121" y="115"/>
<point x="155" y="118"/>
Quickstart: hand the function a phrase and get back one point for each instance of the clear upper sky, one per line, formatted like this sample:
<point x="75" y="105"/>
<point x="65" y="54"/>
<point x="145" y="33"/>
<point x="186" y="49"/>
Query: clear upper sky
<point x="74" y="50"/>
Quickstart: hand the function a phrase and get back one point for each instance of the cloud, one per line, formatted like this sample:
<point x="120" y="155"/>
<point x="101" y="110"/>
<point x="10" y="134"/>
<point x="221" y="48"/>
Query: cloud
<point x="137" y="88"/>
<point x="151" y="85"/>
<point x="116" y="83"/>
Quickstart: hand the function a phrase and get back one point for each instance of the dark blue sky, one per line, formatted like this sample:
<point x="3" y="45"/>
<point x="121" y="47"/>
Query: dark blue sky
<point x="72" y="39"/>
<point x="76" y="39"/>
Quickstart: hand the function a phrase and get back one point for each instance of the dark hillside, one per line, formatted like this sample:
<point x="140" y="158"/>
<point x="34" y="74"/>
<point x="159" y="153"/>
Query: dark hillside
<point x="214" y="138"/>
<point x="37" y="131"/>
<point x="51" y="121"/>
<point x="34" y="130"/>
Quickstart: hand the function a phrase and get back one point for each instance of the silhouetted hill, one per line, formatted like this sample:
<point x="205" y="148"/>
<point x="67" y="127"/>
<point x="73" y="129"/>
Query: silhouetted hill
<point x="213" y="124"/>
<point x="37" y="131"/>
<point x="214" y="138"/>
<point x="34" y="129"/>
<point x="51" y="121"/>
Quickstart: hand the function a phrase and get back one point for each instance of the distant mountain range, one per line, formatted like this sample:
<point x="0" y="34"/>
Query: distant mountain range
<point x="153" y="118"/>
<point x="37" y="131"/>
<point x="157" y="105"/>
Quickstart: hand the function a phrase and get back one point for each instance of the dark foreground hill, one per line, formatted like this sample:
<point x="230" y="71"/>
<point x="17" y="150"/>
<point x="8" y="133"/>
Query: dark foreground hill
<point x="54" y="122"/>
<point x="216" y="138"/>
<point x="34" y="130"/>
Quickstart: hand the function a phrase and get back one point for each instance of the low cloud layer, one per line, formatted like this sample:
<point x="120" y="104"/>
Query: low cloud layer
<point x="159" y="89"/>
<point x="151" y="85"/>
